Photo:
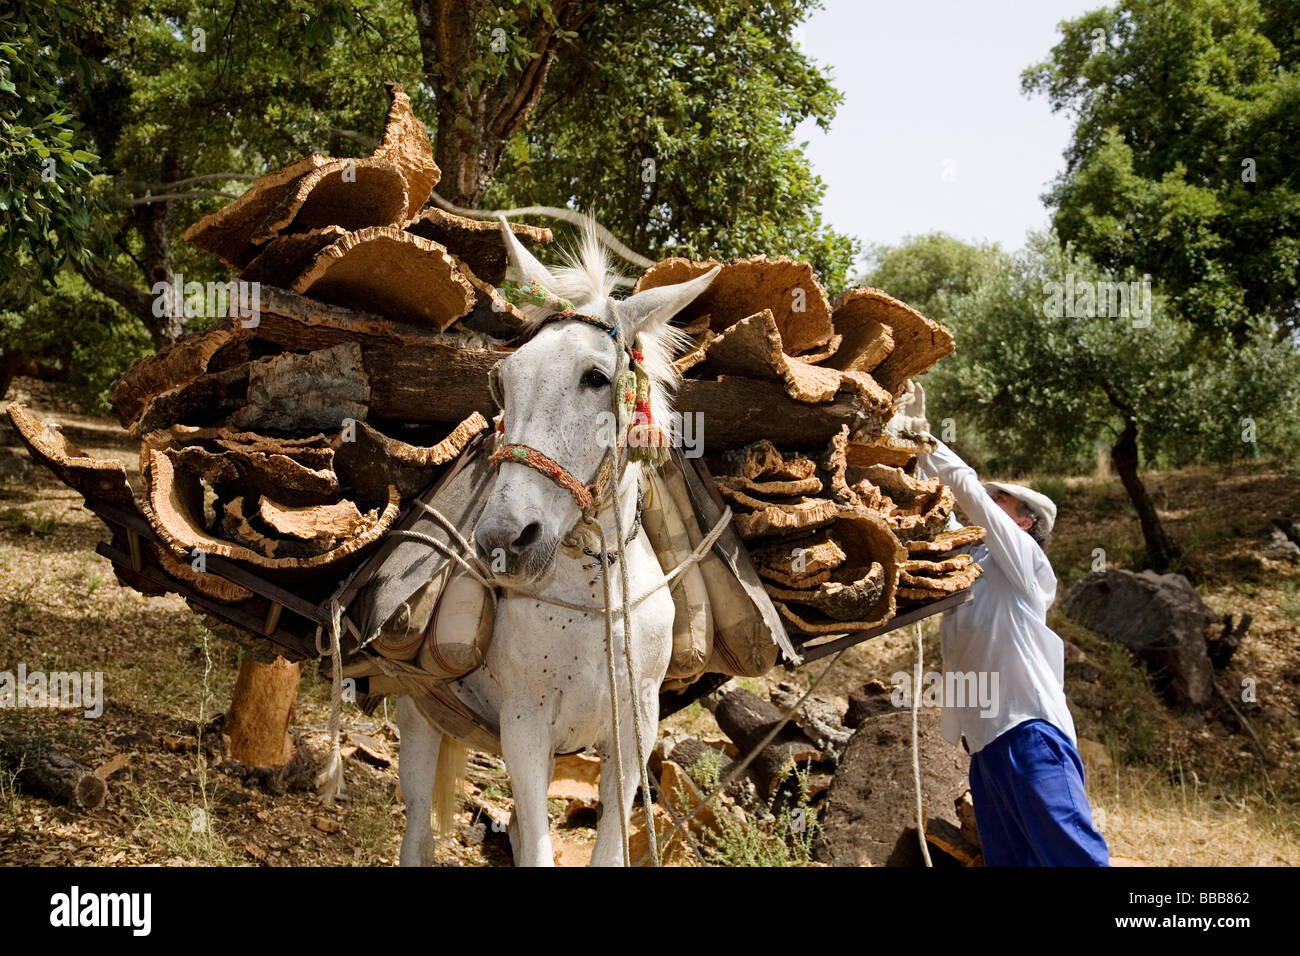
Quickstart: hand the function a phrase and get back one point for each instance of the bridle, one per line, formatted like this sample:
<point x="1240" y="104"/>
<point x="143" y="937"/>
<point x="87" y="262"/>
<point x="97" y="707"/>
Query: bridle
<point x="631" y="405"/>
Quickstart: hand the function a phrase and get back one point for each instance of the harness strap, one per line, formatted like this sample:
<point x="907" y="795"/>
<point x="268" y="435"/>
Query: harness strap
<point x="587" y="496"/>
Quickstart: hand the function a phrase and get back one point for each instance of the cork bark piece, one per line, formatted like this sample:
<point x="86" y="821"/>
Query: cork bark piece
<point x="173" y="367"/>
<point x="173" y="504"/>
<point x="92" y="477"/>
<point x="753" y="347"/>
<point x="886" y="449"/>
<point x="946" y="541"/>
<point x="802" y="558"/>
<point x="865" y="340"/>
<point x="368" y="461"/>
<point x="914" y="588"/>
<point x="694" y="355"/>
<point x="244" y="472"/>
<point x="833" y="464"/>
<point x="761" y="460"/>
<point x="819" y="355"/>
<point x="323" y="523"/>
<point x="228" y="232"/>
<point x="351" y="193"/>
<point x="490" y="314"/>
<point x="286" y="257"/>
<point x="918" y="341"/>
<point x="867" y="539"/>
<point x="306" y="391"/>
<point x="924" y="519"/>
<point x="787" y="287"/>
<point x="911" y="495"/>
<point x="797" y="582"/>
<point x="406" y="145"/>
<point x="926" y="568"/>
<point x="877" y="399"/>
<point x="838" y="600"/>
<point x="776" y="488"/>
<point x="386" y="270"/>
<point x="786" y="518"/>
<point x="478" y="242"/>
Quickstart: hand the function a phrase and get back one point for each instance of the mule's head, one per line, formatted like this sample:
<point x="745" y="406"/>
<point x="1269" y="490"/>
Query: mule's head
<point x="556" y="395"/>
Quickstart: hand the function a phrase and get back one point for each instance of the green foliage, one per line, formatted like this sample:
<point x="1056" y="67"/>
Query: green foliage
<point x="46" y="161"/>
<point x="930" y="272"/>
<point x="1182" y="163"/>
<point x="1041" y="385"/>
<point x="74" y="334"/>
<point x="673" y="126"/>
<point x="785" y="840"/>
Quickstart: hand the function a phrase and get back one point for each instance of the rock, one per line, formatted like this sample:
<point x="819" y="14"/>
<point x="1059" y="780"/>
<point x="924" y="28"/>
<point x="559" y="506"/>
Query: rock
<point x="869" y="700"/>
<point x="870" y="814"/>
<point x="1280" y="547"/>
<point x="15" y="466"/>
<point x="1160" y="618"/>
<point x="818" y="718"/>
<point x="1095" y="755"/>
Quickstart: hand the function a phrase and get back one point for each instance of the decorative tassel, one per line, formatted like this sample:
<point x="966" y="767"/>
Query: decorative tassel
<point x="646" y="439"/>
<point x="534" y="294"/>
<point x="626" y="386"/>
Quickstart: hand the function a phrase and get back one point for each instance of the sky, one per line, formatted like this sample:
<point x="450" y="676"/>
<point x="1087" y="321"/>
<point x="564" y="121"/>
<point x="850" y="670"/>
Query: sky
<point x="934" y="133"/>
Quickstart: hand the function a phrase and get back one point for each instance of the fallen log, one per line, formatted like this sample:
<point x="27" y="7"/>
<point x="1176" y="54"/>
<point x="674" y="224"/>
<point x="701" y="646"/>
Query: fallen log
<point x="51" y="773"/>
<point x="747" y="719"/>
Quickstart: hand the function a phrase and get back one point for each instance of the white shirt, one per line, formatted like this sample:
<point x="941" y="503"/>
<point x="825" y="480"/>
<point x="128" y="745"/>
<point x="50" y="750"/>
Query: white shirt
<point x="1002" y="664"/>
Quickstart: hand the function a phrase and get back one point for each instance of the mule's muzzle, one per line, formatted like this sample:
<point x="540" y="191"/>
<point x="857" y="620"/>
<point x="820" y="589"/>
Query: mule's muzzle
<point x="513" y="546"/>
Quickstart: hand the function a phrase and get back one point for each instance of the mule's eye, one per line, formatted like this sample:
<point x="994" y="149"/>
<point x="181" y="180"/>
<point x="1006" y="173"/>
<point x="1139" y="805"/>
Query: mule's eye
<point x="594" y="378"/>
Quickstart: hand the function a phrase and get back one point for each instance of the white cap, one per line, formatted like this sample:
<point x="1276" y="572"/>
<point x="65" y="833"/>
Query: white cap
<point x="1039" y="504"/>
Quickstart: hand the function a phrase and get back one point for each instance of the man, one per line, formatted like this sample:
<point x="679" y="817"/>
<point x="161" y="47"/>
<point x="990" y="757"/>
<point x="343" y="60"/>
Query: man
<point x="1025" y="774"/>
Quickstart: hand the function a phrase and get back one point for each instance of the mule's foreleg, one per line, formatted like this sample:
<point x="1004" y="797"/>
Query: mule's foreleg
<point x="530" y="758"/>
<point x="417" y="768"/>
<point x="608" y="850"/>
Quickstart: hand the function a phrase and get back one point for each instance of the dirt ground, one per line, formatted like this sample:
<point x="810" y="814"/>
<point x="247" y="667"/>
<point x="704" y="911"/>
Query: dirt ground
<point x="1169" y="789"/>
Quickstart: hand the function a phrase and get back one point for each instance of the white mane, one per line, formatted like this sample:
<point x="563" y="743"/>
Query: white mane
<point x="587" y="278"/>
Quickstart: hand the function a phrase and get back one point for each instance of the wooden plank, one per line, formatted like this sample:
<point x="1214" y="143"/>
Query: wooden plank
<point x="296" y="648"/>
<point x="670" y="702"/>
<point x="222" y="567"/>
<point x="817" y="651"/>
<point x="948" y="838"/>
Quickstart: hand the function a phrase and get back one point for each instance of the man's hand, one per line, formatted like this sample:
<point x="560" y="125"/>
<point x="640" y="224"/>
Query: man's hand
<point x="909" y="410"/>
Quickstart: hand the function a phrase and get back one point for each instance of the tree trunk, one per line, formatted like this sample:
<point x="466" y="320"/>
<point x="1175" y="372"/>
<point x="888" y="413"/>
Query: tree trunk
<point x="10" y="362"/>
<point x="260" y="710"/>
<point x="473" y="127"/>
<point x="50" y="772"/>
<point x="1162" y="553"/>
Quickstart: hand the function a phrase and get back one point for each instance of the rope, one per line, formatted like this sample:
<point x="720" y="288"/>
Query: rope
<point x="606" y="585"/>
<point x="555" y="212"/>
<point x="741" y="767"/>
<point x="329" y="782"/>
<point x="916" y="748"/>
<point x="647" y="799"/>
<point x="670" y="579"/>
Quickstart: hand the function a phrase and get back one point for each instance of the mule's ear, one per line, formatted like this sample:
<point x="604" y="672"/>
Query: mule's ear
<point x="525" y="263"/>
<point x="654" y="307"/>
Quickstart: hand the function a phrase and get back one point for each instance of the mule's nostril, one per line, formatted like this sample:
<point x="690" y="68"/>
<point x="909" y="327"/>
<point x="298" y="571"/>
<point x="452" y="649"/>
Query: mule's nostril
<point x="526" y="537"/>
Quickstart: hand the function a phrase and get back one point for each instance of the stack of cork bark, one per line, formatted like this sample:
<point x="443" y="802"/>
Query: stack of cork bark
<point x="289" y="440"/>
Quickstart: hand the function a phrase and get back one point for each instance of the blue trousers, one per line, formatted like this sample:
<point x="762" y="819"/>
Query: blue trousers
<point x="1030" y="804"/>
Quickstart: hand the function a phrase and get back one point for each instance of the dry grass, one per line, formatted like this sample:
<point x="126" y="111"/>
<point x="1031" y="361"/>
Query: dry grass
<point x="1185" y="791"/>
